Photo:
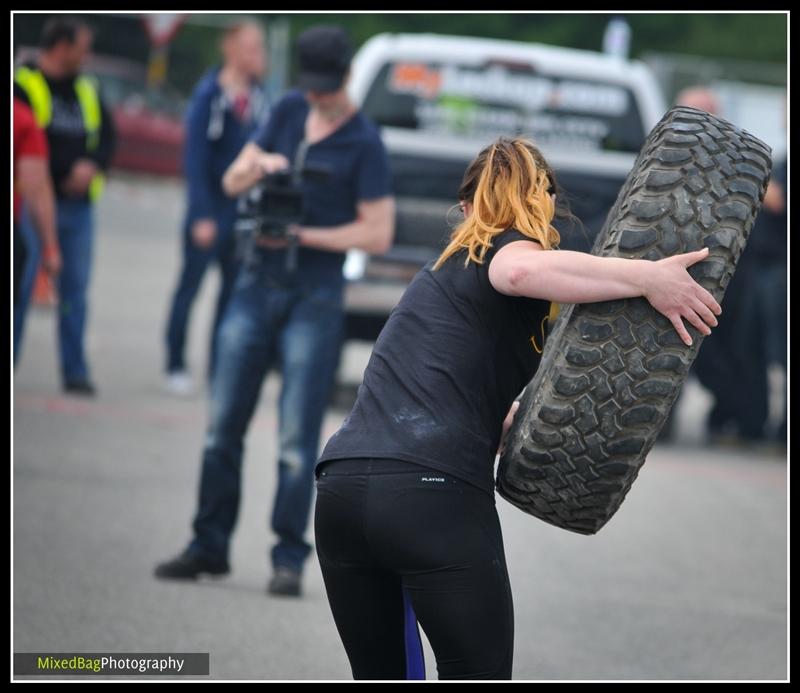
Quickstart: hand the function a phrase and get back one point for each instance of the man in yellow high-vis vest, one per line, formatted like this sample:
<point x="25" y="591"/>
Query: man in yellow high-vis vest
<point x="80" y="133"/>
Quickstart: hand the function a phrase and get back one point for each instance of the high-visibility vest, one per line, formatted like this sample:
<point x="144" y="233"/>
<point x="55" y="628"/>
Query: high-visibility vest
<point x="35" y="86"/>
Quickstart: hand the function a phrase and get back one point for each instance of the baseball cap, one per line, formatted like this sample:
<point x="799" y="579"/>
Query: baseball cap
<point x="323" y="56"/>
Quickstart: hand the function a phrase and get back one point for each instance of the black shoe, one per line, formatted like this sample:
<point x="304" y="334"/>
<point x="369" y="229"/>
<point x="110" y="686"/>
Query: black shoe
<point x="188" y="566"/>
<point x="80" y="387"/>
<point x="285" y="581"/>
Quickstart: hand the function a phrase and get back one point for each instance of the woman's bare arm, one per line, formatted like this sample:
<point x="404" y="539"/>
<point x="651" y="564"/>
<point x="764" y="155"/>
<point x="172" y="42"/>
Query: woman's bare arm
<point x="523" y="268"/>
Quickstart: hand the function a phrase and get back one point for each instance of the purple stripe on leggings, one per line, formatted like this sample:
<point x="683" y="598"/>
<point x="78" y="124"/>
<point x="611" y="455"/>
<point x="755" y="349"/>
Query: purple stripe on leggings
<point x="415" y="657"/>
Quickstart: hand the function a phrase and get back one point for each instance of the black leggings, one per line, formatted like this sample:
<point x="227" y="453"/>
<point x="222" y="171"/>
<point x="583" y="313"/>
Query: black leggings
<point x="400" y="543"/>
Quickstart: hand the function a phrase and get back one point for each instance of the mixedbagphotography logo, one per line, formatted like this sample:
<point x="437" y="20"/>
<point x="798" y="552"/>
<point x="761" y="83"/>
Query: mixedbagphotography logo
<point x="113" y="664"/>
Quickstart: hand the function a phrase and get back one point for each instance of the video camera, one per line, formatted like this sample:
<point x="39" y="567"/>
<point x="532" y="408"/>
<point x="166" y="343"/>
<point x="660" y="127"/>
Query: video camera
<point x="277" y="201"/>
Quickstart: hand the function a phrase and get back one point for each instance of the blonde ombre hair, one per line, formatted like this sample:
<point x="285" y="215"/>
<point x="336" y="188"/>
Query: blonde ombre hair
<point x="509" y="185"/>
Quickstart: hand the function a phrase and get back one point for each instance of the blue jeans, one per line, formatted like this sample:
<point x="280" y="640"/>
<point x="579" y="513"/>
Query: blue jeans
<point x="29" y="270"/>
<point x="75" y="237"/>
<point x="731" y="360"/>
<point x="301" y="327"/>
<point x="195" y="262"/>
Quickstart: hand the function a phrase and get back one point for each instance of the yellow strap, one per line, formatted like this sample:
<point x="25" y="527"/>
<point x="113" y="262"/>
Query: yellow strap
<point x="90" y="108"/>
<point x="554" y="308"/>
<point x="35" y="86"/>
<point x="550" y="318"/>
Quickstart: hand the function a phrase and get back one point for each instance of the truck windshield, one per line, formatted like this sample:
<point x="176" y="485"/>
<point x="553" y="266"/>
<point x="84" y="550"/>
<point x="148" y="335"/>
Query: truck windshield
<point x="447" y="99"/>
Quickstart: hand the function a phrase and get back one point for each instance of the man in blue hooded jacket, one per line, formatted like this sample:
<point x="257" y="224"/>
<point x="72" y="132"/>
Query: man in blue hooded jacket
<point x="225" y="109"/>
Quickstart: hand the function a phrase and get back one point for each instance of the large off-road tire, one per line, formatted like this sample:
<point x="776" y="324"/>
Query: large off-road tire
<point x="611" y="371"/>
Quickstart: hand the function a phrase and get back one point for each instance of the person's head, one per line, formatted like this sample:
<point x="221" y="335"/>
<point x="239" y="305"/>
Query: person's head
<point x="66" y="43"/>
<point x="243" y="49"/>
<point x="508" y="185"/>
<point x="698" y="97"/>
<point x="323" y="59"/>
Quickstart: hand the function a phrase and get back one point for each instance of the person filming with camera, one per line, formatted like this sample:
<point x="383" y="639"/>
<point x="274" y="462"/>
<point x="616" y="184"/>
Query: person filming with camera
<point x="286" y="307"/>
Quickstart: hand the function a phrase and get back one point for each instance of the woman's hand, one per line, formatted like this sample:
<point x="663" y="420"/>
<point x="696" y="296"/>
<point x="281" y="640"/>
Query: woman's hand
<point x="672" y="292"/>
<point x="506" y="426"/>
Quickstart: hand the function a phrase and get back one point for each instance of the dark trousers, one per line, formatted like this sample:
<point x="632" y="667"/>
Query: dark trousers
<point x="768" y="317"/>
<point x="731" y="362"/>
<point x="399" y="543"/>
<point x="195" y="263"/>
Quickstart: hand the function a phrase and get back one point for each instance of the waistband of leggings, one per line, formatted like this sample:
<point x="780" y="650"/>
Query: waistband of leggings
<point x="368" y="465"/>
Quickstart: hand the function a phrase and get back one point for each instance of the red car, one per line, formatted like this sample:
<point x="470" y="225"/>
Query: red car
<point x="149" y="122"/>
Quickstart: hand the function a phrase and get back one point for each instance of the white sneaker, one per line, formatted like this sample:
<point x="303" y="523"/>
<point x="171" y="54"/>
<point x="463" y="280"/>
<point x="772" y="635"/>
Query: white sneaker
<point x="180" y="383"/>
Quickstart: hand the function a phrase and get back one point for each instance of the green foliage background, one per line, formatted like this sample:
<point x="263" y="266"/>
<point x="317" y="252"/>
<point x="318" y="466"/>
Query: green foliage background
<point x="747" y="37"/>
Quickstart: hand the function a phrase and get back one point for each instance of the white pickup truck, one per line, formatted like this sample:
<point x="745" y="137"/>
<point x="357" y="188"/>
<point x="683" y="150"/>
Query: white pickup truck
<point x="440" y="99"/>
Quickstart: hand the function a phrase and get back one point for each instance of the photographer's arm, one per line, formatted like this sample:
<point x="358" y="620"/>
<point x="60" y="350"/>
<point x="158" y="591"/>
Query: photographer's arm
<point x="249" y="167"/>
<point x="372" y="231"/>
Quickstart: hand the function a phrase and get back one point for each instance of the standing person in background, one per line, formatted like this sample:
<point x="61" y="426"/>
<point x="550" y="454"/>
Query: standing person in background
<point x="765" y="319"/>
<point x="32" y="185"/>
<point x="731" y="363"/>
<point x="224" y="111"/>
<point x="80" y="136"/>
<point x="287" y="307"/>
<point x="699" y="97"/>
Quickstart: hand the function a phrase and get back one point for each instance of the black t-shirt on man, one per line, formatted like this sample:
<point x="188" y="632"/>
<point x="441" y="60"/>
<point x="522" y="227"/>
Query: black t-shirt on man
<point x="444" y="371"/>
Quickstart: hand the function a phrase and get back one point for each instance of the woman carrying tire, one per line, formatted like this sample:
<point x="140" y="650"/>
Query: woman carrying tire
<point x="405" y="524"/>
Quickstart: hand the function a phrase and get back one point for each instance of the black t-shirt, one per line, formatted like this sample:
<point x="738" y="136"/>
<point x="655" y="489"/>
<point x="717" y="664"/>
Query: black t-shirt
<point x="444" y="371"/>
<point x="357" y="167"/>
